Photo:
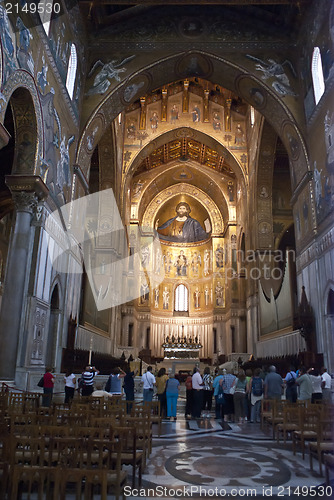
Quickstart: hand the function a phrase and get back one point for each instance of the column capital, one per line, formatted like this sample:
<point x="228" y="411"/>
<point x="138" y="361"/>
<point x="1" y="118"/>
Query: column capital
<point x="25" y="202"/>
<point x="27" y="183"/>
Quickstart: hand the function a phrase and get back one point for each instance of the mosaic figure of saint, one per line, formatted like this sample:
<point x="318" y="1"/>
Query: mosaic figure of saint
<point x="219" y="254"/>
<point x="154" y="121"/>
<point x="219" y="295"/>
<point x="181" y="264"/>
<point x="216" y="122"/>
<point x="197" y="296"/>
<point x="174" y="114"/>
<point x="167" y="262"/>
<point x="196" y="114"/>
<point x="206" y="262"/>
<point x="196" y="262"/>
<point x="156" y="298"/>
<point x="144" y="293"/>
<point x="182" y="228"/>
<point x="165" y="298"/>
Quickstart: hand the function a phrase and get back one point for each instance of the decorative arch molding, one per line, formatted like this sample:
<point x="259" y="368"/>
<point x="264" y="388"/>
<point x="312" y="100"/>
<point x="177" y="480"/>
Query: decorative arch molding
<point x="329" y="287"/>
<point x="241" y="79"/>
<point x="56" y="283"/>
<point x="21" y="79"/>
<point x="214" y="212"/>
<point x="139" y="205"/>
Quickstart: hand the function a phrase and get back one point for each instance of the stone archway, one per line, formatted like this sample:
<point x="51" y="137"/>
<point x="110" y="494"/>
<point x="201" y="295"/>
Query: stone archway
<point x="241" y="80"/>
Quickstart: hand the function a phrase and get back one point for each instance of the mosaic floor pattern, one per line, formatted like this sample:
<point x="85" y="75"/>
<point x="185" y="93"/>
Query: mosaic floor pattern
<point x="209" y="459"/>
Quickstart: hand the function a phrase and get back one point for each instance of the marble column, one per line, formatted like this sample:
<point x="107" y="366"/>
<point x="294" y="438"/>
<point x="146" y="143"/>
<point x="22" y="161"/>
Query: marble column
<point x="26" y="192"/>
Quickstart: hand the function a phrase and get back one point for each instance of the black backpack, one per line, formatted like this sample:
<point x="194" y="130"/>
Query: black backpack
<point x="291" y="382"/>
<point x="257" y="388"/>
<point x="108" y="384"/>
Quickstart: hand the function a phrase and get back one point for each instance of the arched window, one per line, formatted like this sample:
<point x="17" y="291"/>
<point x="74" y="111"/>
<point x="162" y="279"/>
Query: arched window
<point x="45" y="9"/>
<point x="181" y="298"/>
<point x="317" y="75"/>
<point x="72" y="71"/>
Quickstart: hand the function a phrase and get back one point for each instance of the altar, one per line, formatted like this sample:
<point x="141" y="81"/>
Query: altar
<point x="181" y="348"/>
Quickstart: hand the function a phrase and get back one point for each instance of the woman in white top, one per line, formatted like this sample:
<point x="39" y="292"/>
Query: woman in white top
<point x="316" y="384"/>
<point x="70" y="381"/>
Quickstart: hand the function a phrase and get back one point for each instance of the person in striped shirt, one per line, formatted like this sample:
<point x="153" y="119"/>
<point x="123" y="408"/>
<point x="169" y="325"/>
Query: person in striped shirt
<point x="87" y="380"/>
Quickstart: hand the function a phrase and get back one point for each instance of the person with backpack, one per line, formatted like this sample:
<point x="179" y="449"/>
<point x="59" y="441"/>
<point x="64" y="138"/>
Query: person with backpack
<point x="290" y="385"/>
<point x="114" y="382"/>
<point x="255" y="388"/>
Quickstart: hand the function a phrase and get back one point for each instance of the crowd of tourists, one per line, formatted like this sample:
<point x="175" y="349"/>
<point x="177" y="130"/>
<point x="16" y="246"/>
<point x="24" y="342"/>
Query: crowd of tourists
<point x="237" y="396"/>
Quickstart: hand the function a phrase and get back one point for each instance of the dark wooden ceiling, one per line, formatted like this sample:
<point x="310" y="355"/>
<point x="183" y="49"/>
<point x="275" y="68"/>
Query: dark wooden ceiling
<point x="103" y="13"/>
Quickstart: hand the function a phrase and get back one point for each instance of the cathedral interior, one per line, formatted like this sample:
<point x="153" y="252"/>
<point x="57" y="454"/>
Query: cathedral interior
<point x="114" y="115"/>
<point x="166" y="185"/>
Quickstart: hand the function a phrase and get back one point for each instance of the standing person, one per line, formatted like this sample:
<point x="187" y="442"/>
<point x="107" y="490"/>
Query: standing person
<point x="290" y="384"/>
<point x="114" y="384"/>
<point x="172" y="393"/>
<point x="239" y="396"/>
<point x="326" y="385"/>
<point x="197" y="383"/>
<point x="129" y="388"/>
<point x="87" y="380"/>
<point x="161" y="381"/>
<point x="189" y="396"/>
<point x="148" y="383"/>
<point x="69" y="381"/>
<point x="207" y="392"/>
<point x="215" y="385"/>
<point x="273" y="384"/>
<point x="228" y="407"/>
<point x="305" y="385"/>
<point x="316" y="384"/>
<point x="249" y="375"/>
<point x="49" y="380"/>
<point x="255" y="389"/>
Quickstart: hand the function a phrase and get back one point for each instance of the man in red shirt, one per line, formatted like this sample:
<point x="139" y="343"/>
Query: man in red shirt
<point x="48" y="387"/>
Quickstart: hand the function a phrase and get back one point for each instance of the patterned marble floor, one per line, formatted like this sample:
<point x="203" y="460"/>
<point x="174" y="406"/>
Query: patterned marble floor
<point x="208" y="459"/>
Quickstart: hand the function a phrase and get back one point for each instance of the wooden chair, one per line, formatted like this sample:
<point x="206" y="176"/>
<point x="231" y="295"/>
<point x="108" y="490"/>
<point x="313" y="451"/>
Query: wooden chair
<point x="87" y="464"/>
<point x="130" y="455"/>
<point x="28" y="465"/>
<point x="143" y="428"/>
<point x="267" y="406"/>
<point x="308" y="429"/>
<point x="31" y="402"/>
<point x="329" y="465"/>
<point x="276" y="416"/>
<point x="323" y="444"/>
<point x="291" y="422"/>
<point x="15" y="403"/>
<point x="154" y="410"/>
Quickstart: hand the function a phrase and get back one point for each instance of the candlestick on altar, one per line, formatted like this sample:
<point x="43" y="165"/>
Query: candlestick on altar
<point x="90" y="351"/>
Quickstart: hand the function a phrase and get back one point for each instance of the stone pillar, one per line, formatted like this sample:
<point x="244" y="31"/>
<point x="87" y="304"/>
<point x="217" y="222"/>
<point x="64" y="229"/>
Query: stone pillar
<point x="26" y="192"/>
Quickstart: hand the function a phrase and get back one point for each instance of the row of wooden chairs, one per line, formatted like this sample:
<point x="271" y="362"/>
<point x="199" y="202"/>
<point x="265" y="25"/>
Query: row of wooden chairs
<point x="50" y="466"/>
<point x="312" y="423"/>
